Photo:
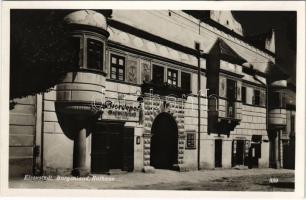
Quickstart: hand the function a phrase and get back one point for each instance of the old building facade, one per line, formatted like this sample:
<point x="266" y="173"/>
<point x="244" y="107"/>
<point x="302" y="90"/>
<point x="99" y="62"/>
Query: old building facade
<point x="175" y="93"/>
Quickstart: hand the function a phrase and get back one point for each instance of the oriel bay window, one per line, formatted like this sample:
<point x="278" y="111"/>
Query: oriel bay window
<point x="88" y="52"/>
<point x="117" y="67"/>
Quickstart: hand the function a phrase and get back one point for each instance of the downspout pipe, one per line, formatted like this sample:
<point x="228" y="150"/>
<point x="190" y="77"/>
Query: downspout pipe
<point x="197" y="46"/>
<point x="267" y="89"/>
<point x="42" y="137"/>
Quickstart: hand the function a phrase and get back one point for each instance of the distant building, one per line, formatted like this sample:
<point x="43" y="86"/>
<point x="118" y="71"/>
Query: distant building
<point x="136" y="101"/>
<point x="282" y="125"/>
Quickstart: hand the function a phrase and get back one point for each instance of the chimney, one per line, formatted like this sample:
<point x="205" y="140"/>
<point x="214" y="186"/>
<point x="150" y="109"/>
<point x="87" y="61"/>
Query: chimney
<point x="270" y="42"/>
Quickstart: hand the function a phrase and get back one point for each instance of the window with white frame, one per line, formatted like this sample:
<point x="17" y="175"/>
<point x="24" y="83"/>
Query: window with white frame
<point x="172" y="77"/>
<point x="191" y="140"/>
<point x="117" y="67"/>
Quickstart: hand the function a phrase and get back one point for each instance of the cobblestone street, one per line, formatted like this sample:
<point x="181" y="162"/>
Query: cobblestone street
<point x="219" y="179"/>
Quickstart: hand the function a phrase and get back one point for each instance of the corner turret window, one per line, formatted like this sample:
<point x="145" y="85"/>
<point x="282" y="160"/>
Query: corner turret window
<point x="94" y="54"/>
<point x="76" y="51"/>
<point x="88" y="52"/>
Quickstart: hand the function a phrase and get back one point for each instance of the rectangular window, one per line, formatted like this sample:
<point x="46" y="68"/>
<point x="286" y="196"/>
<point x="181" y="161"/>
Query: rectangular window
<point x="256" y="97"/>
<point x="117" y="70"/>
<point x="185" y="81"/>
<point x="191" y="140"/>
<point x="244" y="95"/>
<point x="231" y="90"/>
<point x="94" y="54"/>
<point x="172" y="77"/>
<point x="158" y="74"/>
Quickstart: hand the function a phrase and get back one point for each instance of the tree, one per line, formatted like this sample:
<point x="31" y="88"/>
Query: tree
<point x="40" y="51"/>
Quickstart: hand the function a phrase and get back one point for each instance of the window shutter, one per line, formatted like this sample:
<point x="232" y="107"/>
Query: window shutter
<point x="238" y="90"/>
<point x="262" y="98"/>
<point x="222" y="87"/>
<point x="253" y="99"/>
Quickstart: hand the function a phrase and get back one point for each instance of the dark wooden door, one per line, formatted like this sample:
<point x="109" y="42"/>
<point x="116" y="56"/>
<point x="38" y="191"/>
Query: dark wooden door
<point x="115" y="150"/>
<point x="99" y="152"/>
<point x="106" y="147"/>
<point x="240" y="152"/>
<point x="257" y="154"/>
<point x="218" y="153"/>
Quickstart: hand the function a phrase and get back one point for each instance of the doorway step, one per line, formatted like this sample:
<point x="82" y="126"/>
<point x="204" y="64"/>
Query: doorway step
<point x="116" y="172"/>
<point x="240" y="167"/>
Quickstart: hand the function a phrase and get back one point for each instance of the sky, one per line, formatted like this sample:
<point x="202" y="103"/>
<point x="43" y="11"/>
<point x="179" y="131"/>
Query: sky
<point x="284" y="23"/>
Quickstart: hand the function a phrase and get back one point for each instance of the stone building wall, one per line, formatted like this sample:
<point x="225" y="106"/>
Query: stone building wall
<point x="57" y="148"/>
<point x="22" y="129"/>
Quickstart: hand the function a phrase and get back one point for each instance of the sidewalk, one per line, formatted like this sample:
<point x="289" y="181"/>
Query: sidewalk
<point x="139" y="180"/>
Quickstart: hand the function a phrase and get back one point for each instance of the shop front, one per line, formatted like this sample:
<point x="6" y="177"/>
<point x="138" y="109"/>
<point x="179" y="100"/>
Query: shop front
<point x="246" y="152"/>
<point x="112" y="147"/>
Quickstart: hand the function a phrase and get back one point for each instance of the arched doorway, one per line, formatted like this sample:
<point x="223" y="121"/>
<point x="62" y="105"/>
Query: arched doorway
<point x="164" y="142"/>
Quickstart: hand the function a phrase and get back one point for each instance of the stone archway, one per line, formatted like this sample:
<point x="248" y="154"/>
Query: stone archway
<point x="164" y="145"/>
<point x="152" y="108"/>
